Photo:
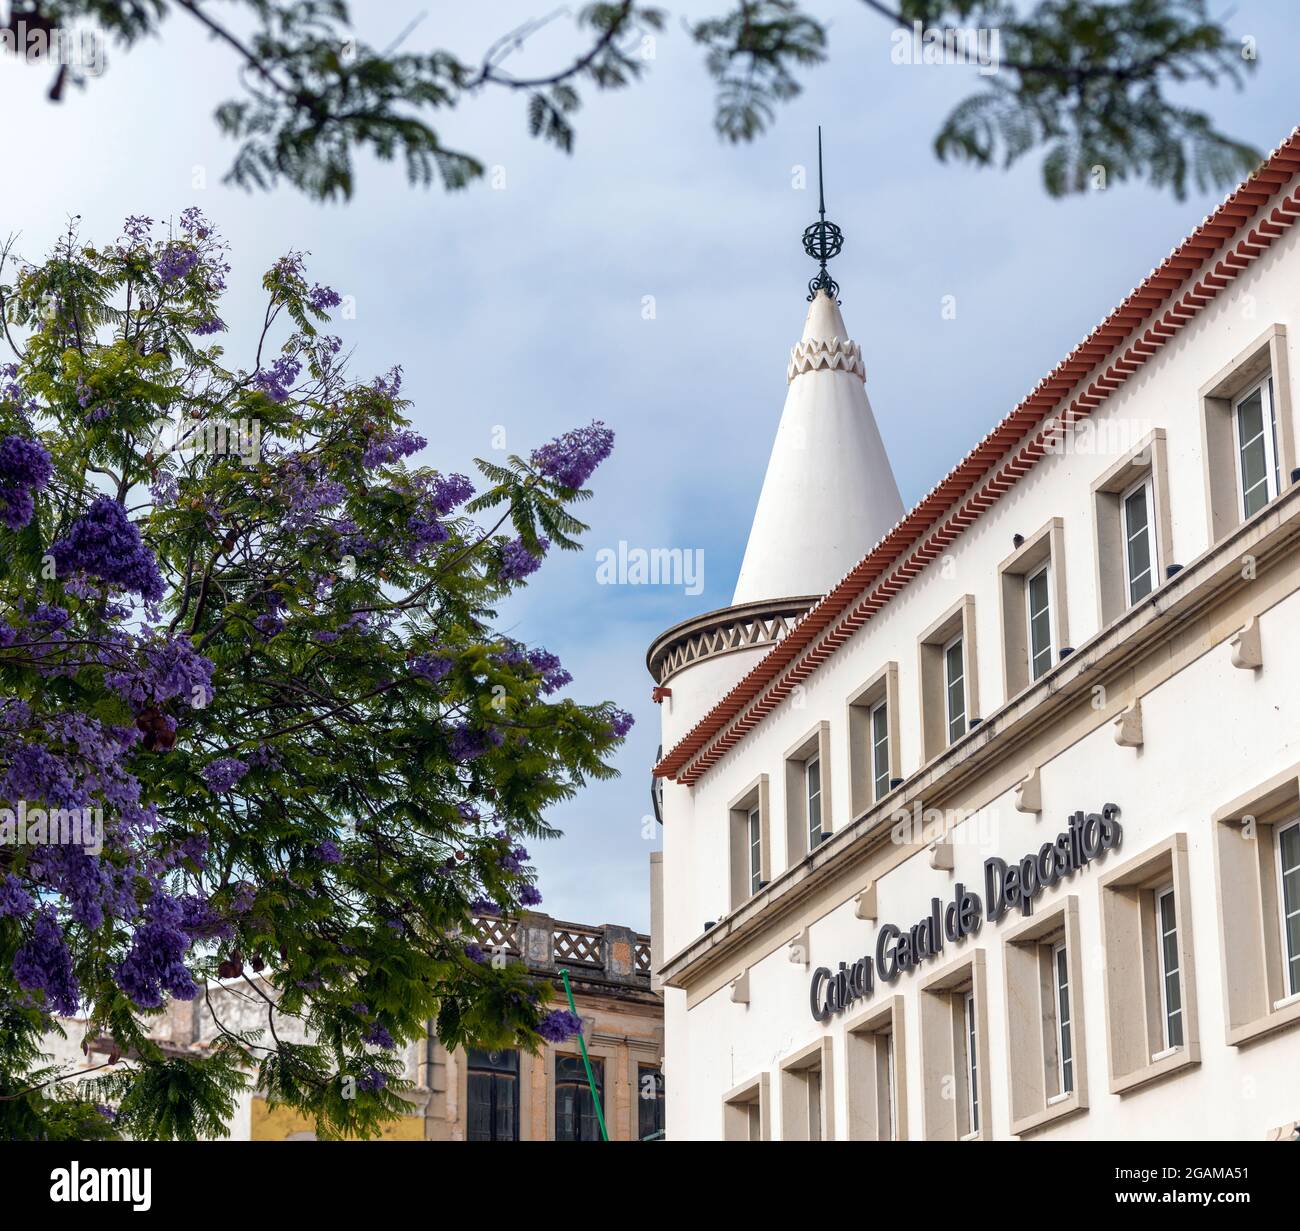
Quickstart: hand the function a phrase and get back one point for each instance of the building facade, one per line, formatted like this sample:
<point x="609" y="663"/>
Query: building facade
<point x="472" y="1095"/>
<point x="983" y="820"/>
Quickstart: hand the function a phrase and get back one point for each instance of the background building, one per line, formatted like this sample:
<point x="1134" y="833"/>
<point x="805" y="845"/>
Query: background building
<point x="983" y="820"/>
<point x="474" y="1095"/>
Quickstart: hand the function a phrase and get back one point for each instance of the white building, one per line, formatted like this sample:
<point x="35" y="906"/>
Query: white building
<point x="983" y="820"/>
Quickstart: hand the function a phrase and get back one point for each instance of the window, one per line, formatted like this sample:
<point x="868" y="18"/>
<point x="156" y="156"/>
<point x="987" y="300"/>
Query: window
<point x="1149" y="972"/>
<point x="1246" y="433"/>
<point x="749" y="831"/>
<point x="949" y="700"/>
<point x="650" y="1102"/>
<point x="954" y="676"/>
<point x="493" y="1095"/>
<point x="1045" y="1020"/>
<point x="807" y="794"/>
<point x="1140" y="560"/>
<point x="873" y="1051"/>
<point x="1288" y="859"/>
<point x="1065" y="1050"/>
<point x="1257" y="857"/>
<point x="880" y="767"/>
<point x="1171" y="994"/>
<point x="806" y="1100"/>
<point x="1038" y="601"/>
<point x="1034" y="617"/>
<point x="1134" y="528"/>
<point x="575" y="1111"/>
<point x="746" y="1111"/>
<point x="954" y="1051"/>
<point x="971" y="1065"/>
<point x="873" y="717"/>
<point x="1256" y="428"/>
<point x="812" y="774"/>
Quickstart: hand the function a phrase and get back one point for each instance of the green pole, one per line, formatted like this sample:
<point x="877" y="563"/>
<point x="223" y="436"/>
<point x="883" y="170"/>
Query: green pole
<point x="586" y="1061"/>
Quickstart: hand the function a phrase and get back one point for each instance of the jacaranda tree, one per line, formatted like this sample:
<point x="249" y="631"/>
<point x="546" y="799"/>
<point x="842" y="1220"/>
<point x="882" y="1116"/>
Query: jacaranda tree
<point x="243" y="627"/>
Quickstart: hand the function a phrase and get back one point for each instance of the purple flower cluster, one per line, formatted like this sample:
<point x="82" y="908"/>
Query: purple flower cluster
<point x="43" y="964"/>
<point x="554" y="676"/>
<point x="155" y="962"/>
<point x="222" y="774"/>
<point x="205" y="328"/>
<point x="517" y="562"/>
<point x="14" y="899"/>
<point x="379" y="1037"/>
<point x="166" y="668"/>
<point x="621" y="722"/>
<point x="570" y="460"/>
<point x="277" y="380"/>
<point x="475" y="953"/>
<point x="466" y="743"/>
<point x="24" y="470"/>
<point x="530" y="895"/>
<point x="175" y="261"/>
<point x="558" y="1025"/>
<point x="327" y="852"/>
<point x="323" y="297"/>
<point x="106" y="544"/>
<point x="371" y="1081"/>
<point x="431" y="667"/>
<point x="392" y="447"/>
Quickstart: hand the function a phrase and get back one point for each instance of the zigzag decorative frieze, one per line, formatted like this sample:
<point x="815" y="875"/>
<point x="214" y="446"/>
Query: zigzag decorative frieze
<point x="842" y="354"/>
<point x="722" y="638"/>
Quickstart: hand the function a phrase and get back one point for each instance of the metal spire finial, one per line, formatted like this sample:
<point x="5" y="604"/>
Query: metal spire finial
<point x="822" y="240"/>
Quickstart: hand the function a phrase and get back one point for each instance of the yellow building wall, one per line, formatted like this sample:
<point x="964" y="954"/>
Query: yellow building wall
<point x="268" y="1123"/>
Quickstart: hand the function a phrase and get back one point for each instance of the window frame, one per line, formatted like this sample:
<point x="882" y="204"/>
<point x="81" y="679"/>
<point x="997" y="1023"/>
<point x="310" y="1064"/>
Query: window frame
<point x="958" y="643"/>
<point x="1162" y="894"/>
<point x="875" y="1060"/>
<point x="1147" y="487"/>
<point x="971" y="1042"/>
<point x="945" y="1043"/>
<point x="1045" y="572"/>
<point x="746" y="1106"/>
<point x="472" y="1071"/>
<point x="1135" y="992"/>
<point x="814" y="746"/>
<point x="956" y="625"/>
<point x="817" y="833"/>
<point x="740" y="854"/>
<point x="1268" y="433"/>
<point x="797" y="1093"/>
<point x="880" y="711"/>
<point x="1064" y="1022"/>
<point x="1290" y="961"/>
<point x="580" y="1084"/>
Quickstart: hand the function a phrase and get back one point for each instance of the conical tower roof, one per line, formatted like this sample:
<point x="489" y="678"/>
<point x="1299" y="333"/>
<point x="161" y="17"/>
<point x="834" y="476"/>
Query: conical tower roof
<point x="829" y="494"/>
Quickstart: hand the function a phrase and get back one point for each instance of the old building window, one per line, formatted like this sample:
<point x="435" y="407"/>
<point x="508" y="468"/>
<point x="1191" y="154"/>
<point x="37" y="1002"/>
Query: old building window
<point x="746" y="1111"/>
<point x="1150" y="977"/>
<point x="877" y="1094"/>
<point x="1246" y="432"/>
<point x="1033" y="606"/>
<point x="493" y="1095"/>
<point x="1256" y="427"/>
<point x="954" y="1052"/>
<point x="1257" y="850"/>
<point x="1131" y="506"/>
<point x="807" y="793"/>
<point x="748" y="834"/>
<point x="806" y="1095"/>
<point x="650" y="1102"/>
<point x="812" y="780"/>
<point x="949" y="696"/>
<point x="1045" y="1021"/>
<point x="575" y="1110"/>
<point x="874" y="763"/>
<point x="1140" y="555"/>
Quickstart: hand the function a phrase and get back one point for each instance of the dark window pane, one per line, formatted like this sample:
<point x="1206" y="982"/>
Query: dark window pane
<point x="493" y="1112"/>
<point x="575" y="1113"/>
<point x="650" y="1102"/>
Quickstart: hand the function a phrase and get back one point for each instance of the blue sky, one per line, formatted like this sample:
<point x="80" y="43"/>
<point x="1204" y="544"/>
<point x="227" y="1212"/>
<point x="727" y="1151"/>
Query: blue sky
<point x="521" y="307"/>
